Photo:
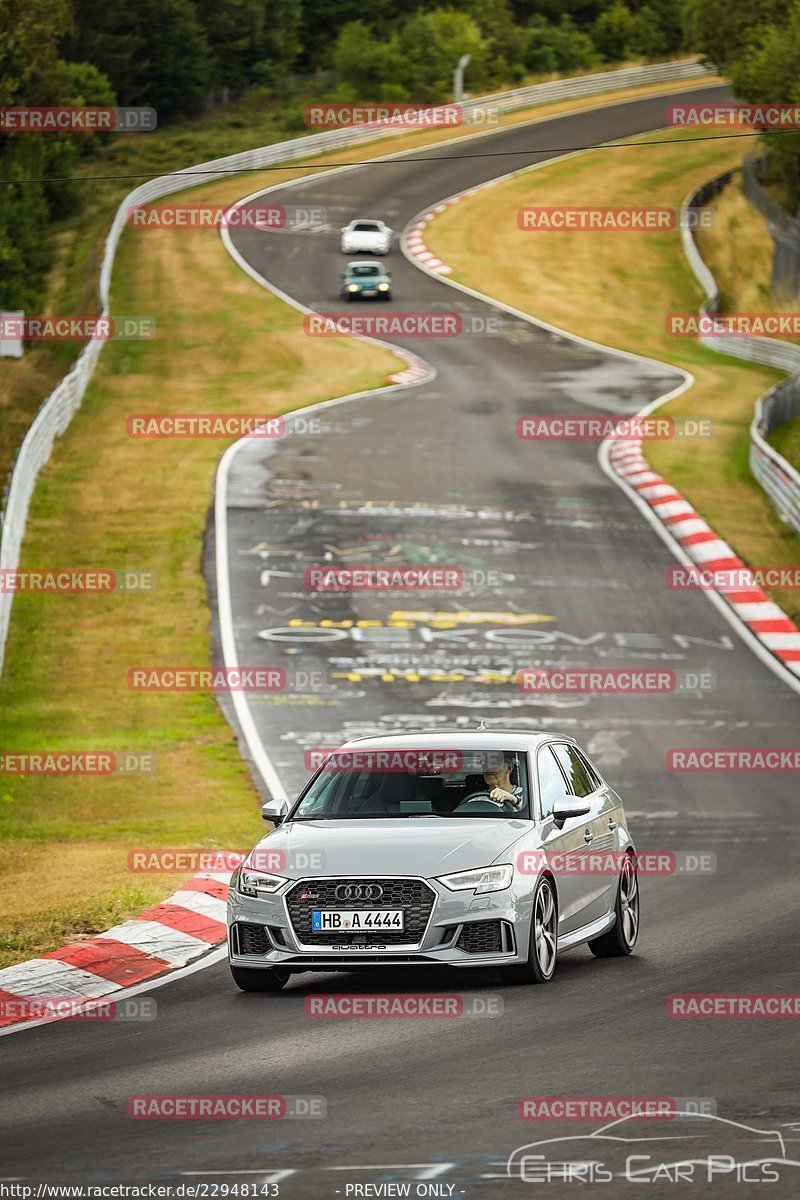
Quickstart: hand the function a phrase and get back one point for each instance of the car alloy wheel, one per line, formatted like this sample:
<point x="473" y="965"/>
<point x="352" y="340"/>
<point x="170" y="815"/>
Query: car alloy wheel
<point x="629" y="901"/>
<point x="544" y="929"/>
<point x="621" y="938"/>
<point x="543" y="942"/>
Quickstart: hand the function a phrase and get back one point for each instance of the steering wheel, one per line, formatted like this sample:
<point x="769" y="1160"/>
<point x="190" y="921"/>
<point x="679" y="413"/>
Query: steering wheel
<point x="479" y="802"/>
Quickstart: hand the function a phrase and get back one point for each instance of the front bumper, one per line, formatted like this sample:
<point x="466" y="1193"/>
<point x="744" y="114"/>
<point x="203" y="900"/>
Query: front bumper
<point x="372" y="251"/>
<point x="462" y="930"/>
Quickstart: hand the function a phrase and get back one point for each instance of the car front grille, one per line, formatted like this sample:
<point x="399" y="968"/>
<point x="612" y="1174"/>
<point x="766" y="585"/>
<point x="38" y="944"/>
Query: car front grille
<point x="412" y="895"/>
<point x="481" y="937"/>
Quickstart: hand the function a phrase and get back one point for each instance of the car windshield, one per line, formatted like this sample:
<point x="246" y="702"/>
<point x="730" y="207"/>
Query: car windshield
<point x="366" y="226"/>
<point x="365" y="270"/>
<point x="370" y="784"/>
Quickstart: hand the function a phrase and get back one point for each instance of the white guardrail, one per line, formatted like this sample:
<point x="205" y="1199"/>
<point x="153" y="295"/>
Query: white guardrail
<point x="63" y="402"/>
<point x="777" y="477"/>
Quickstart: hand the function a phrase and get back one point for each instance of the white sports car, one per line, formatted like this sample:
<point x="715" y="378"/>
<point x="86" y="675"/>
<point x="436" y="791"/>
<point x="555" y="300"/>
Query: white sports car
<point x="366" y="237"/>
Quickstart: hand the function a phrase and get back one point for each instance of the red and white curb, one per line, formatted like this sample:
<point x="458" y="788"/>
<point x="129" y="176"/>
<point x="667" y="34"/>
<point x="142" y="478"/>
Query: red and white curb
<point x="416" y="372"/>
<point x="763" y="618"/>
<point x="170" y="935"/>
<point x="414" y="239"/>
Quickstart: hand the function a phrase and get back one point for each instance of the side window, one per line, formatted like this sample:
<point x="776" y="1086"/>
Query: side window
<point x="579" y="780"/>
<point x="551" y="781"/>
<point x="590" y="771"/>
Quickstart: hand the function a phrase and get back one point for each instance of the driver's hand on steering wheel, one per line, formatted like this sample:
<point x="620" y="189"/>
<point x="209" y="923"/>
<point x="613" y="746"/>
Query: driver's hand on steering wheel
<point x="501" y="796"/>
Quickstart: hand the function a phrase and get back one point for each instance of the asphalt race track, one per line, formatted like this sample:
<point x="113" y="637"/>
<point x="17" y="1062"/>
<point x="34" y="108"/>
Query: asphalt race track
<point x="571" y="575"/>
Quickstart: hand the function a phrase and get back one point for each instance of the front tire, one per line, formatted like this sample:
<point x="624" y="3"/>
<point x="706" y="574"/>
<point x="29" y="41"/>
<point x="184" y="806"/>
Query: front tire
<point x="543" y="944"/>
<point x="621" y="938"/>
<point x="270" y="979"/>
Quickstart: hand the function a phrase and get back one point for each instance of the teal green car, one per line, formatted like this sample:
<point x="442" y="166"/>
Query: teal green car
<point x="366" y="280"/>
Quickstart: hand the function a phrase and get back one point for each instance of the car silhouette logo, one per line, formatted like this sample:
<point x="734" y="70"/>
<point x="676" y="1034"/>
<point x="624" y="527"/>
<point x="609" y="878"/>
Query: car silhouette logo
<point x="358" y="891"/>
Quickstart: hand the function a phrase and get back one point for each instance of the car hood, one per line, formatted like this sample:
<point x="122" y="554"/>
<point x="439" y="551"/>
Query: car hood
<point x="387" y="846"/>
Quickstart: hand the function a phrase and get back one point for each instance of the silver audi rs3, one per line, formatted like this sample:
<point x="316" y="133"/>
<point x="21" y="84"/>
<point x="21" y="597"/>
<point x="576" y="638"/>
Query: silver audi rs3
<point x="489" y="848"/>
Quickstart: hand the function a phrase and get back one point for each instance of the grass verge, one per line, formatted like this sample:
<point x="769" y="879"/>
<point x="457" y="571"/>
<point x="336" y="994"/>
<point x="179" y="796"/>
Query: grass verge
<point x="618" y="288"/>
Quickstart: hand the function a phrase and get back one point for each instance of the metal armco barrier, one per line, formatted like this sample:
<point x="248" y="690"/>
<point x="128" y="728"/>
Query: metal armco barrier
<point x="777" y="477"/>
<point x="60" y="406"/>
<point x="784" y="230"/>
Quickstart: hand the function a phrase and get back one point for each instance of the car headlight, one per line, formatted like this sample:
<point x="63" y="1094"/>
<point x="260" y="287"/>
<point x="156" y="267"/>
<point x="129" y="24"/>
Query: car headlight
<point x="485" y="879"/>
<point x="352" y="287"/>
<point x="258" y="883"/>
<point x="383" y="287"/>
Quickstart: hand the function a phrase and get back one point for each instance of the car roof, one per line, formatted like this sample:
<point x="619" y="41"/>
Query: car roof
<point x="457" y="739"/>
<point x="366" y="221"/>
<point x="365" y="262"/>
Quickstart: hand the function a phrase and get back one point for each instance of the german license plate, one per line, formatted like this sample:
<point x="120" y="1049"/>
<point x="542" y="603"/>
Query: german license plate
<point x="355" y="919"/>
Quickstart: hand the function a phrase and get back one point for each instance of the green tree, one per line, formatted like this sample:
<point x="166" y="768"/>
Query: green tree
<point x="430" y="44"/>
<point x="104" y="34"/>
<point x="619" y="33"/>
<point x="362" y="61"/>
<point x="557" y="48"/>
<point x="721" y="29"/>
<point x="32" y="74"/>
<point x="172" y="70"/>
<point x="767" y="70"/>
<point x="505" y="41"/>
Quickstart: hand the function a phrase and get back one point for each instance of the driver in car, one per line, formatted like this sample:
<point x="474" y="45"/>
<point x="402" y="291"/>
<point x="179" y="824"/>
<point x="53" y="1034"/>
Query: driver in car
<point x="501" y="781"/>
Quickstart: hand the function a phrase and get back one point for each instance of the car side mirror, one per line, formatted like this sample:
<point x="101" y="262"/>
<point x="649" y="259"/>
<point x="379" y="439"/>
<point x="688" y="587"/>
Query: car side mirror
<point x="569" y="806"/>
<point x="274" y="810"/>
